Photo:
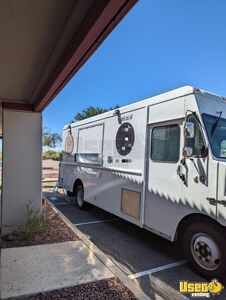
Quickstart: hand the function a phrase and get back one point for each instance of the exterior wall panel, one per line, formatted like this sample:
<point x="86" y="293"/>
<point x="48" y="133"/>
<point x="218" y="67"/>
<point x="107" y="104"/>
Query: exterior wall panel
<point x="22" y="148"/>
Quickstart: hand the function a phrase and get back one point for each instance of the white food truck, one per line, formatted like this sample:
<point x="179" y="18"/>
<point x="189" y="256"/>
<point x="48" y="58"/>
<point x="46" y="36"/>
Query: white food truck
<point x="161" y="164"/>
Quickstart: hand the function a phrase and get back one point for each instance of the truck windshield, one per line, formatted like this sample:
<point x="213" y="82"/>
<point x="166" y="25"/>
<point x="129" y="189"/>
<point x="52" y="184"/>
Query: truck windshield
<point x="216" y="131"/>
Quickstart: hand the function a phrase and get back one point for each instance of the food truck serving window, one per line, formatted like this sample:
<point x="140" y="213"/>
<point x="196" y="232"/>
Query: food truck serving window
<point x="90" y="145"/>
<point x="165" y="143"/>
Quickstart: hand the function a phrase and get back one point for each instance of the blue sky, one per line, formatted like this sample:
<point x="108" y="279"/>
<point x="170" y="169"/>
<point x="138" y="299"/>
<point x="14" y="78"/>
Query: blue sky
<point x="160" y="45"/>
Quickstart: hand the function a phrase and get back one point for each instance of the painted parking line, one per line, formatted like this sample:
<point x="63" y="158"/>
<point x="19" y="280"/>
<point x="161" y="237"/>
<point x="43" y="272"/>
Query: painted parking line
<point x="154" y="270"/>
<point x="97" y="221"/>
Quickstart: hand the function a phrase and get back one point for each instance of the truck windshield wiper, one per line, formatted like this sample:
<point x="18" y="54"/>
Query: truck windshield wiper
<point x="216" y="123"/>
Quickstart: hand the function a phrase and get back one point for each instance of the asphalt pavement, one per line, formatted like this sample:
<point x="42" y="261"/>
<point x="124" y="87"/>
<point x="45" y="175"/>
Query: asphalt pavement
<point x="140" y="254"/>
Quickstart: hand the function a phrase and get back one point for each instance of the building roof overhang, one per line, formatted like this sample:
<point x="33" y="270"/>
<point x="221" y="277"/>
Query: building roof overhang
<point x="44" y="43"/>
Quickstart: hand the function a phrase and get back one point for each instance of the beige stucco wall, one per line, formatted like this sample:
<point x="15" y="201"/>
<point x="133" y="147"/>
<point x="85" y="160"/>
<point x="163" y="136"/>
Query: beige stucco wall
<point x="22" y="140"/>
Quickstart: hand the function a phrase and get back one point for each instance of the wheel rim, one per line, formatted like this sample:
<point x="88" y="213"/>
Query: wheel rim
<point x="205" y="251"/>
<point x="80" y="197"/>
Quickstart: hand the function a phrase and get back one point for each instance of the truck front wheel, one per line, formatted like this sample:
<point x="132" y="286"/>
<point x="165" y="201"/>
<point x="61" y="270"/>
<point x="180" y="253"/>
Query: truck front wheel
<point x="79" y="196"/>
<point x="70" y="194"/>
<point x="204" y="246"/>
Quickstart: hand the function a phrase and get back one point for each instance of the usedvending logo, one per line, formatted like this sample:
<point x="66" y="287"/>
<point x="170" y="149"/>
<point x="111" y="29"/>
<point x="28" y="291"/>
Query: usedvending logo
<point x="201" y="289"/>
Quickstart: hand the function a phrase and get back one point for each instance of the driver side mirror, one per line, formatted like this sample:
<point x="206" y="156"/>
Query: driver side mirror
<point x="189" y="130"/>
<point x="187" y="152"/>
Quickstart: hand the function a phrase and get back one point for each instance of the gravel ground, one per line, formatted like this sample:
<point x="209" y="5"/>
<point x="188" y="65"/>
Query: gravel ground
<point x="109" y="289"/>
<point x="57" y="231"/>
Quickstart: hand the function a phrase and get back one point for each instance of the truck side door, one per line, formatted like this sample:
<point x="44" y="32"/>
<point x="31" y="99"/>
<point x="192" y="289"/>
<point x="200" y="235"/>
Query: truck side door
<point x="163" y="183"/>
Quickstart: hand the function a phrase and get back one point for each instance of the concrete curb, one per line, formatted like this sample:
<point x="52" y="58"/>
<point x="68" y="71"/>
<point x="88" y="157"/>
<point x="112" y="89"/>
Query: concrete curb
<point x="159" y="287"/>
<point x="135" y="289"/>
<point x="164" y="290"/>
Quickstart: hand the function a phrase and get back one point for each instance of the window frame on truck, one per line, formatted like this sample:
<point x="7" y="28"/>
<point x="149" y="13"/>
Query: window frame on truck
<point x="97" y="156"/>
<point x="204" y="117"/>
<point x="175" y="125"/>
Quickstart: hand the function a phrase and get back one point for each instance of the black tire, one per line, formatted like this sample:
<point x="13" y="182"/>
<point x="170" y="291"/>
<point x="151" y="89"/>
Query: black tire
<point x="70" y="194"/>
<point x="79" y="197"/>
<point x="199" y="239"/>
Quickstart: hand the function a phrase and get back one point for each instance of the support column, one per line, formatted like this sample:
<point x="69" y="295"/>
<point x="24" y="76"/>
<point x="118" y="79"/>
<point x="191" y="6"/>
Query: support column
<point x="22" y="167"/>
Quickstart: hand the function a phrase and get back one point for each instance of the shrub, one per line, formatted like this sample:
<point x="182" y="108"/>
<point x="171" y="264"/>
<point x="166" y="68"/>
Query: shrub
<point x="36" y="222"/>
<point x="51" y="154"/>
<point x="55" y="156"/>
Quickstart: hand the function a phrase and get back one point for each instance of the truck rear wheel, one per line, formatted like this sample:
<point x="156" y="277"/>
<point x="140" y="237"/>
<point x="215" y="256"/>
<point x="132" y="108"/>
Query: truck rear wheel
<point x="79" y="196"/>
<point x="204" y="248"/>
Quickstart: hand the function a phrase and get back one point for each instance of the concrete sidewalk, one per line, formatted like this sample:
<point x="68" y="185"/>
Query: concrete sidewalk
<point x="30" y="270"/>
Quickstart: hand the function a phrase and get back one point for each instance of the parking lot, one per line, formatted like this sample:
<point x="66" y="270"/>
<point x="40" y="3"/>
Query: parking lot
<point x="153" y="262"/>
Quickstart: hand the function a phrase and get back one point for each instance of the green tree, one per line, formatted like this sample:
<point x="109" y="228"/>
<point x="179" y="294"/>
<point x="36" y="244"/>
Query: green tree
<point x="90" y="112"/>
<point x="50" y="139"/>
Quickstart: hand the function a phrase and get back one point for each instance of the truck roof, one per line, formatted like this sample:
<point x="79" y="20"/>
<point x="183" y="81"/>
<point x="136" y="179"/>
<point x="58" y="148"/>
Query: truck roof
<point x="176" y="93"/>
